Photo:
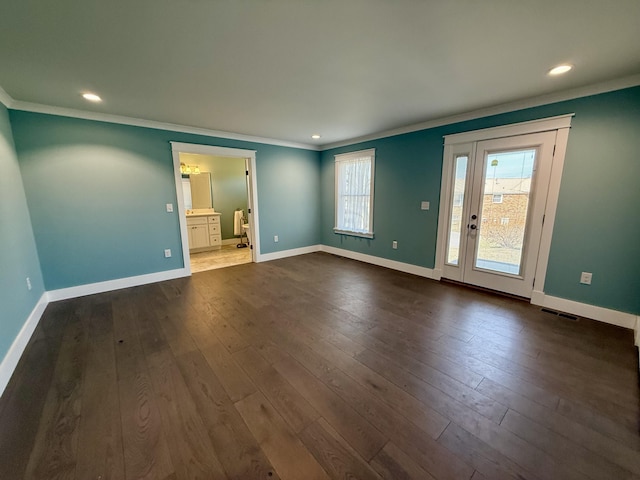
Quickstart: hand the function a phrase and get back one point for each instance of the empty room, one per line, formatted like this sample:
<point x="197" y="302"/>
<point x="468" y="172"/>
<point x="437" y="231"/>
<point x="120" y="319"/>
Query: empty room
<point x="319" y="240"/>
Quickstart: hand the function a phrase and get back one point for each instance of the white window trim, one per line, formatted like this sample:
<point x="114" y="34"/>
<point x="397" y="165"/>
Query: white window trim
<point x="346" y="157"/>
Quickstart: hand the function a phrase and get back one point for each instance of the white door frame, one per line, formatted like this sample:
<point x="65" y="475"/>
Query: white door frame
<point x="176" y="149"/>
<point x="561" y="124"/>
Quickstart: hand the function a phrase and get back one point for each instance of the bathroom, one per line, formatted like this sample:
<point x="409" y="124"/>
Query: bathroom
<point x="216" y="203"/>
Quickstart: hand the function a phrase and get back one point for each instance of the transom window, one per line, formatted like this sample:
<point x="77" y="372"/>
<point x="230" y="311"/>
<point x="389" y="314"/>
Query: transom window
<point x="354" y="193"/>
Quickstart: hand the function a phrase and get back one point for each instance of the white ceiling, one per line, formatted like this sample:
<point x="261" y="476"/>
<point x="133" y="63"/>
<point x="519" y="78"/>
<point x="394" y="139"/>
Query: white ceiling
<point x="285" y="69"/>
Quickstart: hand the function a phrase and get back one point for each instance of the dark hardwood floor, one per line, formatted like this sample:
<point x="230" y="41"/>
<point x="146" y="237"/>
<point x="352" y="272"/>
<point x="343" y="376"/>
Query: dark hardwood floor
<point x="318" y="367"/>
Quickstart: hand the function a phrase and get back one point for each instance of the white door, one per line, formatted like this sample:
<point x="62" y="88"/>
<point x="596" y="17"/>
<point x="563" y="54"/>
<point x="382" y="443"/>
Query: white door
<point x="495" y="211"/>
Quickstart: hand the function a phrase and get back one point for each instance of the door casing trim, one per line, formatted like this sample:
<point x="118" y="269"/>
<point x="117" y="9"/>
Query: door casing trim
<point x="250" y="156"/>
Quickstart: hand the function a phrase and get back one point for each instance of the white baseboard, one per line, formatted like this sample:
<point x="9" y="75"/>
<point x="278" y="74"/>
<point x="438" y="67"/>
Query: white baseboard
<point x="11" y="359"/>
<point x="381" y="262"/>
<point x="109" y="285"/>
<point x="267" y="257"/>
<point x="606" y="315"/>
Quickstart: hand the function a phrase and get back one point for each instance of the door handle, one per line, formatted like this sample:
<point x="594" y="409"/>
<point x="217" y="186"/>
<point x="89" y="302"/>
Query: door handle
<point x="473" y="227"/>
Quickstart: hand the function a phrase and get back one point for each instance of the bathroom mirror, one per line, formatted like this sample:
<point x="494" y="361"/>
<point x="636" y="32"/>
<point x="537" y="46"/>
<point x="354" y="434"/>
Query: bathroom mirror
<point x="197" y="191"/>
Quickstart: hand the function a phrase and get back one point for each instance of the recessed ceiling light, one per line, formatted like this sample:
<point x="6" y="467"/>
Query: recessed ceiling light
<point x="92" y="97"/>
<point x="560" y="69"/>
<point x="315" y="136"/>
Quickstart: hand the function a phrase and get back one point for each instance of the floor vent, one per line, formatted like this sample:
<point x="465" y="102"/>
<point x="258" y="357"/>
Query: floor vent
<point x="568" y="316"/>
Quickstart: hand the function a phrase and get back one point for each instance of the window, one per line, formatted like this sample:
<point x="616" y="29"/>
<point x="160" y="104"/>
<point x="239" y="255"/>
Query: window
<point x="354" y="193"/>
<point x="457" y="199"/>
<point x="504" y="221"/>
<point x="497" y="198"/>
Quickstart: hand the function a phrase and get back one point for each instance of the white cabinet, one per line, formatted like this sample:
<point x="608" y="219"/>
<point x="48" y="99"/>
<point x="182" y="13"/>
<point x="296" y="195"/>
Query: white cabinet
<point x="215" y="234"/>
<point x="204" y="232"/>
<point x="198" y="236"/>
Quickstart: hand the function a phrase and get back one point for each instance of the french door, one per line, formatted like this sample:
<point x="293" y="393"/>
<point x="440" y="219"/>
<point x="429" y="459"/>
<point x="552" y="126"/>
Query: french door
<point x="494" y="209"/>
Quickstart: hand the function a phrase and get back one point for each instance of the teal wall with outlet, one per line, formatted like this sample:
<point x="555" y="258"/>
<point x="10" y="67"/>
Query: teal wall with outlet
<point x="18" y="255"/>
<point x="597" y="225"/>
<point x="97" y="193"/>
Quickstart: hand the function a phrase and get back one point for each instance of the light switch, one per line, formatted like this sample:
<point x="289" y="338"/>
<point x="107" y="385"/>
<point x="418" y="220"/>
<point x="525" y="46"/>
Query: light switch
<point x="167" y="253"/>
<point x="169" y="207"/>
<point x="424" y="206"/>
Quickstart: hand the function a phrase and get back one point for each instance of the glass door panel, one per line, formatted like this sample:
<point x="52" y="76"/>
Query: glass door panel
<point x="455" y="229"/>
<point x="504" y="210"/>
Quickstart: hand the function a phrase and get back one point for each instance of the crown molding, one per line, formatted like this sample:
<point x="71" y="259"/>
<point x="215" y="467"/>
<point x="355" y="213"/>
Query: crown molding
<point x="139" y="122"/>
<point x="594" y="89"/>
<point x="5" y="98"/>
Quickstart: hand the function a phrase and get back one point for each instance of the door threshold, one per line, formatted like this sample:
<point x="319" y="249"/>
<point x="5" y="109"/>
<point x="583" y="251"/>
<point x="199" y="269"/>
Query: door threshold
<point x="486" y="290"/>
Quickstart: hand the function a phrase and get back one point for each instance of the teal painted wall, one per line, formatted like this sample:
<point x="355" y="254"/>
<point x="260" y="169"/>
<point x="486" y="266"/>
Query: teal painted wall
<point x="97" y="193"/>
<point x="407" y="170"/>
<point x="597" y="226"/>
<point x="229" y="185"/>
<point x="289" y="191"/>
<point x="18" y="255"/>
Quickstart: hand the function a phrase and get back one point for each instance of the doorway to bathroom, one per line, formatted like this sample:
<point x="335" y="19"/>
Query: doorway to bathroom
<point x="217" y="205"/>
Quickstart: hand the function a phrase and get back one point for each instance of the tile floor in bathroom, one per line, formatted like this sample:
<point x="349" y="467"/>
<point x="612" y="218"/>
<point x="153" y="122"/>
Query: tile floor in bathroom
<point x="227" y="256"/>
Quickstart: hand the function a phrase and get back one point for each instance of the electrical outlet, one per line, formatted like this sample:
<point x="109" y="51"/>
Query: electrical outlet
<point x="394" y="245"/>
<point x="28" y="283"/>
<point x="169" y="207"/>
<point x="167" y="253"/>
<point x="424" y="206"/>
<point x="275" y="238"/>
<point x="585" y="278"/>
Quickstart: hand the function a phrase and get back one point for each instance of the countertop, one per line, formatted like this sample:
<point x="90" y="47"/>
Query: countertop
<point x="202" y="214"/>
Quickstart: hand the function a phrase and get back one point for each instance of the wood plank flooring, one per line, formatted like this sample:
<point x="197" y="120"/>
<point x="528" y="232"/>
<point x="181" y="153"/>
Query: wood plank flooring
<point x="319" y="367"/>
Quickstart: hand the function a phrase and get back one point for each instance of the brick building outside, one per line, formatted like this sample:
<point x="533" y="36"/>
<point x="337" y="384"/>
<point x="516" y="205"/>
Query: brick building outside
<point x="504" y="211"/>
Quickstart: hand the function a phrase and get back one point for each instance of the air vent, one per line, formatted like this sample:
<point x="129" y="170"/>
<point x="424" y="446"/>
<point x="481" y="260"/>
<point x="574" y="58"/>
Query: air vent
<point x="568" y="316"/>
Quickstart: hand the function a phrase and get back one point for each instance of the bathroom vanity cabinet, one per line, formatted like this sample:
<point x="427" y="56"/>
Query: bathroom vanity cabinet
<point x="204" y="232"/>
